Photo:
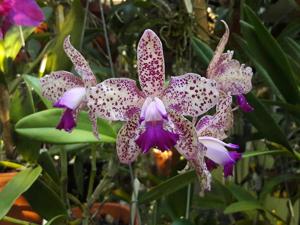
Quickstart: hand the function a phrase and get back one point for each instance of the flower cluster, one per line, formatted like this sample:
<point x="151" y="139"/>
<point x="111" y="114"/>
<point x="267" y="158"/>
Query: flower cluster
<point x="155" y="114"/>
<point x="19" y="12"/>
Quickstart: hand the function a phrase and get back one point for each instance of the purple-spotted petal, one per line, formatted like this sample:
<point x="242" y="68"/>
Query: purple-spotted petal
<point x="26" y="13"/>
<point x="115" y="99"/>
<point x="190" y="94"/>
<point x="71" y="99"/>
<point x="67" y="121"/>
<point x="243" y="103"/>
<point x="218" y="53"/>
<point x="200" y="166"/>
<point x="150" y="62"/>
<point x="155" y="135"/>
<point x="187" y="145"/>
<point x="81" y="65"/>
<point x="234" y="78"/>
<point x="127" y="148"/>
<point x="57" y="83"/>
<point x="218" y="124"/>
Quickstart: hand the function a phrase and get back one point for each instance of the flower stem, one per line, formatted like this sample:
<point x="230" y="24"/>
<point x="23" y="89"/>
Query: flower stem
<point x="188" y="202"/>
<point x="106" y="39"/>
<point x="64" y="175"/>
<point x="84" y="23"/>
<point x="16" y="221"/>
<point x="93" y="170"/>
<point x="22" y="36"/>
<point x="134" y="208"/>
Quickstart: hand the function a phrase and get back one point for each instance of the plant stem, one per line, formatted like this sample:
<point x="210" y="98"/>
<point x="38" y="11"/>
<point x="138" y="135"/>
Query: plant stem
<point x="64" y="175"/>
<point x="22" y="36"/>
<point x="16" y="221"/>
<point x="106" y="39"/>
<point x="134" y="204"/>
<point x="188" y="202"/>
<point x="84" y="23"/>
<point x="93" y="170"/>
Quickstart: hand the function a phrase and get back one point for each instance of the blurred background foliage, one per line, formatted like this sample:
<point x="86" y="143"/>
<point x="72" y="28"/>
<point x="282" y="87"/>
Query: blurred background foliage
<point x="264" y="35"/>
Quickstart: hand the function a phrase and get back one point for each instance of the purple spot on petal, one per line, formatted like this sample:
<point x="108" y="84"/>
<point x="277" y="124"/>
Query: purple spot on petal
<point x="243" y="104"/>
<point x="156" y="136"/>
<point x="67" y="121"/>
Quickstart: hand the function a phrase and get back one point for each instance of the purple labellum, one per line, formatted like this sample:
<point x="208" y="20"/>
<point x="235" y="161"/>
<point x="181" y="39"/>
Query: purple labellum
<point x="228" y="168"/>
<point x="67" y="121"/>
<point x="156" y="136"/>
<point x="243" y="104"/>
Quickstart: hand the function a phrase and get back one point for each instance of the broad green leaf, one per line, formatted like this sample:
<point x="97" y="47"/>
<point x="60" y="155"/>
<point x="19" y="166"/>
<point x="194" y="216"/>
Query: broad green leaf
<point x="47" y="163"/>
<point x="41" y="127"/>
<point x="294" y="48"/>
<point x="242" y="206"/>
<point x="12" y="41"/>
<point x="269" y="53"/>
<point x="271" y="183"/>
<point x="202" y="50"/>
<point x="34" y="83"/>
<point x="261" y="118"/>
<point x="17" y="186"/>
<point x="291" y="30"/>
<point x="240" y="193"/>
<point x="44" y="200"/>
<point x="21" y="103"/>
<point x="168" y="187"/>
<point x="73" y="25"/>
<point x="259" y="67"/>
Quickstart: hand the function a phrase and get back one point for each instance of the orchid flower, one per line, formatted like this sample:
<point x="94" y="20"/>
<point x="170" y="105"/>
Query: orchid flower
<point x="19" y="12"/>
<point x="68" y="91"/>
<point x="154" y="115"/>
<point x="230" y="75"/>
<point x="211" y="130"/>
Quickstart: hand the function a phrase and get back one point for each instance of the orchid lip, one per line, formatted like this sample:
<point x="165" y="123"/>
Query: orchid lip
<point x="71" y="99"/>
<point x="156" y="136"/>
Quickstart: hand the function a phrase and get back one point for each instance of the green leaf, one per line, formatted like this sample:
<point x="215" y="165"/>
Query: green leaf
<point x="58" y="220"/>
<point x="47" y="163"/>
<point x="168" y="187"/>
<point x="21" y="103"/>
<point x="41" y="127"/>
<point x="12" y="41"/>
<point x="242" y="206"/>
<point x="73" y="25"/>
<point x="261" y="118"/>
<point x="202" y="50"/>
<point x="240" y="193"/>
<point x="271" y="183"/>
<point x="182" y="222"/>
<point x="259" y="153"/>
<point x="34" y="83"/>
<point x="44" y="200"/>
<point x="17" y="186"/>
<point x="269" y="54"/>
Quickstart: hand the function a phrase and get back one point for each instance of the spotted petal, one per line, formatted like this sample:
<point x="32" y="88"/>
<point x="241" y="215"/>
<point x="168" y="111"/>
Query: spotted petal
<point x="115" y="99"/>
<point x="234" y="78"/>
<point x="81" y="65"/>
<point x="187" y="145"/>
<point x="218" y="53"/>
<point x="190" y="94"/>
<point x="127" y="148"/>
<point x="217" y="125"/>
<point x="151" y="68"/>
<point x="57" y="83"/>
